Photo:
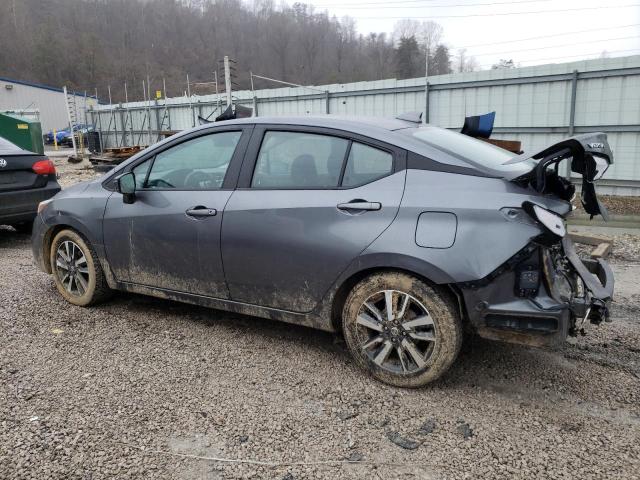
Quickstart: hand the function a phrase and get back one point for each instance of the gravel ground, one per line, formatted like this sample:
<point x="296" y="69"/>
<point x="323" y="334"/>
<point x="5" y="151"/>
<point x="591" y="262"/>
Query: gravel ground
<point x="616" y="205"/>
<point x="144" y="388"/>
<point x="70" y="173"/>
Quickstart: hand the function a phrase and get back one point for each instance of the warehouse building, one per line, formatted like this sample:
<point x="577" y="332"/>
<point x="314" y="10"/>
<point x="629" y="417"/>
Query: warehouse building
<point x="45" y="102"/>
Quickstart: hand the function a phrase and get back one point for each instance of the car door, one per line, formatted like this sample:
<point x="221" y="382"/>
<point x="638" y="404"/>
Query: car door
<point x="169" y="237"/>
<point x="309" y="200"/>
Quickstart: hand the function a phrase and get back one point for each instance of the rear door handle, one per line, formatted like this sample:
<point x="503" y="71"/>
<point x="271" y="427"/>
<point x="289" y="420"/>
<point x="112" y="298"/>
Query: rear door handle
<point x="201" y="211"/>
<point x="360" y="205"/>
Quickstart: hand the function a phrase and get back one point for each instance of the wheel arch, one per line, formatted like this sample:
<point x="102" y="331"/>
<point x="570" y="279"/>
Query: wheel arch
<point x="365" y="267"/>
<point x="47" y="241"/>
<point x="53" y="230"/>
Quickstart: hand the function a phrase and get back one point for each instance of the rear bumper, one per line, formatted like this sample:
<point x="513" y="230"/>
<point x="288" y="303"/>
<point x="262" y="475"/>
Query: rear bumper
<point x="598" y="280"/>
<point x="497" y="311"/>
<point x="22" y="205"/>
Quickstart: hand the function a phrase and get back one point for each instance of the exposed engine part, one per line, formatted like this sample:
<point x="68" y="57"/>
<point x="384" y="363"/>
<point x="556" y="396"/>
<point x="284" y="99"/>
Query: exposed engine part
<point x="527" y="280"/>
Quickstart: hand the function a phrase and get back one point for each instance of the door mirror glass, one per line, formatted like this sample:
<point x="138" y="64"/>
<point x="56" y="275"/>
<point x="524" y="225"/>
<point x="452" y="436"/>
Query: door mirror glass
<point x="127" y="187"/>
<point x="127" y="184"/>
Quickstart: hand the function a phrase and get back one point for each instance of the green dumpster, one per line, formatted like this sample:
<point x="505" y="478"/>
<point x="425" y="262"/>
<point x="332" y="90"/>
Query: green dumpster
<point x="24" y="132"/>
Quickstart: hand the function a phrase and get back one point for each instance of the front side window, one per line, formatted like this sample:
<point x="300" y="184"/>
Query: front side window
<point x="366" y="164"/>
<point x="140" y="173"/>
<point x="197" y="164"/>
<point x="299" y="160"/>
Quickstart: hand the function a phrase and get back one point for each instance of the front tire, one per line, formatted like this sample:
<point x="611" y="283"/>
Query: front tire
<point x="401" y="330"/>
<point x="76" y="270"/>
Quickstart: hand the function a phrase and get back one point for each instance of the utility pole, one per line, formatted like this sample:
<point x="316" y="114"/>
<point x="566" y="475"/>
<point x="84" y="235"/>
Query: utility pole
<point x="227" y="79"/>
<point x="215" y="77"/>
<point x="130" y="117"/>
<point x="253" y="94"/>
<point x="149" y="109"/>
<point x="166" y="113"/>
<point x="193" y="118"/>
<point x="99" y="121"/>
<point x="426" y="84"/>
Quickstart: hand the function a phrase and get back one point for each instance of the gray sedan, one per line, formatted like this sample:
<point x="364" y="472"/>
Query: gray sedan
<point x="399" y="235"/>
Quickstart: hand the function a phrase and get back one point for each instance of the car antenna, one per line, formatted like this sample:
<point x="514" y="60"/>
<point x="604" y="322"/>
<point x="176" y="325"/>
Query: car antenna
<point x="413" y="117"/>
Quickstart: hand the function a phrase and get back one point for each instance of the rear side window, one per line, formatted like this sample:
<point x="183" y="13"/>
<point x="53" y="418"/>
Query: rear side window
<point x="471" y="150"/>
<point x="366" y="164"/>
<point x="299" y="160"/>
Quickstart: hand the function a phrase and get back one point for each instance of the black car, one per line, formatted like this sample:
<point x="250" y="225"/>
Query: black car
<point x="26" y="179"/>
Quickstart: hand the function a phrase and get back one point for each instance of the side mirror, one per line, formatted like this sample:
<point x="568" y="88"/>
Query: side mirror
<point x="127" y="187"/>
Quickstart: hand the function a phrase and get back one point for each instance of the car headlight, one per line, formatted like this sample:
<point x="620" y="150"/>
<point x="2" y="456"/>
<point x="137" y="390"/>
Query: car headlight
<point x="553" y="221"/>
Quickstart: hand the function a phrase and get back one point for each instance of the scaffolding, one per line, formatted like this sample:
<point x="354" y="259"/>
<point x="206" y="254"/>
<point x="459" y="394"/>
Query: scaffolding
<point x="132" y="124"/>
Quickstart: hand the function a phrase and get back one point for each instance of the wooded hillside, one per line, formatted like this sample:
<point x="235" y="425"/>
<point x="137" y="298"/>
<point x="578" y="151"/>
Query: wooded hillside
<point x="87" y="44"/>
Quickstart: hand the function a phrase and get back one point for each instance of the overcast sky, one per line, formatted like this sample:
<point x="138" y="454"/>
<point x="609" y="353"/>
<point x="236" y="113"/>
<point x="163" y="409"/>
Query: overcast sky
<point x="489" y="31"/>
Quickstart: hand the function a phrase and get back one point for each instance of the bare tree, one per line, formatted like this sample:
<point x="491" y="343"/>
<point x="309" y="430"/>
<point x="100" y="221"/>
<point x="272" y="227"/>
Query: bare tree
<point x="431" y="33"/>
<point x="503" y="64"/>
<point x="406" y="28"/>
<point x="87" y="44"/>
<point x="464" y="62"/>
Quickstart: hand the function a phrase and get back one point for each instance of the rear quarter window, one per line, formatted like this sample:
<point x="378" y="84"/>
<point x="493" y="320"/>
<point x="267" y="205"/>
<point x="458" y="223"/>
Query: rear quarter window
<point x="366" y="164"/>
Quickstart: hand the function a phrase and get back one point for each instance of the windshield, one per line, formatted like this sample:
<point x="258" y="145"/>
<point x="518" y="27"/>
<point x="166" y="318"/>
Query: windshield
<point x="475" y="152"/>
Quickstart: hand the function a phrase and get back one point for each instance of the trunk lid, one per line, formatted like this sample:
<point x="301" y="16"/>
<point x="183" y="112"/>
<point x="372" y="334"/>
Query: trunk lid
<point x="16" y="171"/>
<point x="590" y="156"/>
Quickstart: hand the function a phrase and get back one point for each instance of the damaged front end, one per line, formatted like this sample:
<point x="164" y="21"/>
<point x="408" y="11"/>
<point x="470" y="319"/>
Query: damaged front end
<point x="546" y="291"/>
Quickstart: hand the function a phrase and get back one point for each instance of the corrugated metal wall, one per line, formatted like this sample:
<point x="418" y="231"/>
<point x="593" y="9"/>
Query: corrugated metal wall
<point x="533" y="104"/>
<point x="48" y="101"/>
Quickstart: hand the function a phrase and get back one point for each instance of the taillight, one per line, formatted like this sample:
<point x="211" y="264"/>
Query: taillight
<point x="44" y="167"/>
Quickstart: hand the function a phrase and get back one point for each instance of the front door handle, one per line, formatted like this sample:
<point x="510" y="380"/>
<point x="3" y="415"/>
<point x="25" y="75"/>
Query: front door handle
<point x="201" y="211"/>
<point x="360" y="205"/>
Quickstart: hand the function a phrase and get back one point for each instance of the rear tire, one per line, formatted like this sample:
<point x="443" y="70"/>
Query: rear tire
<point x="76" y="270"/>
<point x="412" y="346"/>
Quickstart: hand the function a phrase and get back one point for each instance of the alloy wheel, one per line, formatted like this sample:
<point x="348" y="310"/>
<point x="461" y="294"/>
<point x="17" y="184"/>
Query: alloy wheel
<point x="396" y="332"/>
<point x="72" y="268"/>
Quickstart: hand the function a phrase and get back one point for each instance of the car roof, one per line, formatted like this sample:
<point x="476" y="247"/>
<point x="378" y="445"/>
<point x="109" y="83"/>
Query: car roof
<point x="389" y="130"/>
<point x="356" y="124"/>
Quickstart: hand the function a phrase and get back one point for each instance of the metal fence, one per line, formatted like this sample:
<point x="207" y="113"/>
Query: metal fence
<point x="536" y="105"/>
